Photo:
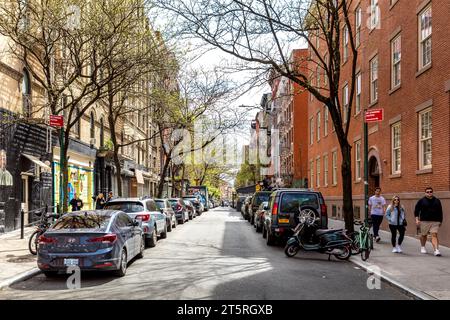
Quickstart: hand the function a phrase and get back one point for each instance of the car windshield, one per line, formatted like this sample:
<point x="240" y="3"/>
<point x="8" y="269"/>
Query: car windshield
<point x="291" y="201"/>
<point x="173" y="202"/>
<point x="160" y="204"/>
<point x="261" y="197"/>
<point x="128" y="207"/>
<point x="190" y="199"/>
<point x="82" y="221"/>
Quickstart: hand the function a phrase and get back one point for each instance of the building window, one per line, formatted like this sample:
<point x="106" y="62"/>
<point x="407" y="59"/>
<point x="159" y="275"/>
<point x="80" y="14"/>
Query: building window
<point x="334" y="165"/>
<point x="358" y="94"/>
<point x="396" y="148"/>
<point x="92" y="125"/>
<point x="358" y="18"/>
<point x="325" y="170"/>
<point x="26" y="93"/>
<point x="374" y="14"/>
<point x="102" y="133"/>
<point x="425" y="136"/>
<point x="318" y="172"/>
<point x="374" y="79"/>
<point x="395" y="62"/>
<point x="325" y="125"/>
<point x="425" y="37"/>
<point x="311" y="169"/>
<point x="318" y="126"/>
<point x="358" y="161"/>
<point x="345" y="103"/>
<point x="311" y="131"/>
<point x="345" y="44"/>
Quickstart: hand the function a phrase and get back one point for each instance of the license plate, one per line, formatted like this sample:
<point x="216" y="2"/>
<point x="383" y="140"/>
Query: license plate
<point x="283" y="220"/>
<point x="70" y="262"/>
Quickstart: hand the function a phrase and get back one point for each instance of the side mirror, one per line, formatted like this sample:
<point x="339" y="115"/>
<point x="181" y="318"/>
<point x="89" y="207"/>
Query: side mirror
<point x="266" y="207"/>
<point x="136" y="223"/>
<point x="161" y="210"/>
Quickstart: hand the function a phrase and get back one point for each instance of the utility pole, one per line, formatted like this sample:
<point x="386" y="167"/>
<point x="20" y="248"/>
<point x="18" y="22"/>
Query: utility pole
<point x="366" y="169"/>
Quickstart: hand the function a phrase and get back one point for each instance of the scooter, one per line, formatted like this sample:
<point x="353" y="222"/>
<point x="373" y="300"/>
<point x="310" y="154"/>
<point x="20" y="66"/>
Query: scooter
<point x="309" y="237"/>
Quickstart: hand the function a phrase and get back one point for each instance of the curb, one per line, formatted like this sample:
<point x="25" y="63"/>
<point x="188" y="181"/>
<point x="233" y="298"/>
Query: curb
<point x="416" y="295"/>
<point x="19" y="278"/>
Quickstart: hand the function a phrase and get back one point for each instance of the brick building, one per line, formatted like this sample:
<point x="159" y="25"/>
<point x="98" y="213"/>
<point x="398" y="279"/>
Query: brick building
<point x="289" y="114"/>
<point x="404" y="68"/>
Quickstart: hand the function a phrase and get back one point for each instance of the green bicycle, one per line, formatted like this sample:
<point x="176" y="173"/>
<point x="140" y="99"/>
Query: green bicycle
<point x="362" y="239"/>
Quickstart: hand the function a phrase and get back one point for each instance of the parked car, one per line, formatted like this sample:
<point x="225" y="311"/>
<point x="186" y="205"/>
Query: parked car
<point x="239" y="203"/>
<point x="198" y="205"/>
<point x="260" y="216"/>
<point x="153" y="220"/>
<point x="165" y="207"/>
<point x="282" y="214"/>
<point x="246" y="207"/>
<point x="258" y="198"/>
<point x="181" y="212"/>
<point x="105" y="240"/>
<point x="191" y="209"/>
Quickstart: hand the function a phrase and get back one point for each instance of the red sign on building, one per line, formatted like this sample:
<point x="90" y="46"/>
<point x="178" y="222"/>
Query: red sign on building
<point x="374" y="115"/>
<point x="56" y="121"/>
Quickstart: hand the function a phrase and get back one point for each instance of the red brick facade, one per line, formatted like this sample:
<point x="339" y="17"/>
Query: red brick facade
<point x="420" y="90"/>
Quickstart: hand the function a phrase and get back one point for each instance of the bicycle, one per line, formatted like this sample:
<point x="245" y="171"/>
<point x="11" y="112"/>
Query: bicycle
<point x="43" y="225"/>
<point x="363" y="239"/>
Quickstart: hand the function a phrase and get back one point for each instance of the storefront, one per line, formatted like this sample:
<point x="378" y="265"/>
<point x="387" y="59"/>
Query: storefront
<point x="81" y="178"/>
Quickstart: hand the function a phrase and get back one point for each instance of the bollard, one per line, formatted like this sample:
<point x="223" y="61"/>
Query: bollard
<point x="22" y="223"/>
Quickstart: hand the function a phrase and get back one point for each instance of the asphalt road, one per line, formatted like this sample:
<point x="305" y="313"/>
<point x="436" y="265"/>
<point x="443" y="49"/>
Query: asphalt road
<point x="216" y="256"/>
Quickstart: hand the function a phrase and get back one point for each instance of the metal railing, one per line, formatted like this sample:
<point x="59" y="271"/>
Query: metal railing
<point x="43" y="210"/>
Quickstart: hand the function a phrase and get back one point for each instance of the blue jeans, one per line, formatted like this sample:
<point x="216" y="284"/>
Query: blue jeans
<point x="376" y="220"/>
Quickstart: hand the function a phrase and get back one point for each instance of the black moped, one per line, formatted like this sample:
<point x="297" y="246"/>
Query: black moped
<point x="309" y="237"/>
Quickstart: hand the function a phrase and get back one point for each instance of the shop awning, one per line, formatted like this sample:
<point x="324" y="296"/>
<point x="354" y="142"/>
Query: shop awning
<point x="139" y="176"/>
<point x="37" y="162"/>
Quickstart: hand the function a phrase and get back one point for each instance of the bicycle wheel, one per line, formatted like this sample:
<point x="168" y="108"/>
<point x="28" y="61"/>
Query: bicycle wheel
<point x="32" y="242"/>
<point x="365" y="252"/>
<point x="356" y="248"/>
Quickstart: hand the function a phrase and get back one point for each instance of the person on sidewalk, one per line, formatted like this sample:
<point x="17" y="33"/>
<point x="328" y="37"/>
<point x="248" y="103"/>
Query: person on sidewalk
<point x="377" y="208"/>
<point x="428" y="213"/>
<point x="100" y="201"/>
<point x="76" y="203"/>
<point x="395" y="215"/>
<point x="110" y="196"/>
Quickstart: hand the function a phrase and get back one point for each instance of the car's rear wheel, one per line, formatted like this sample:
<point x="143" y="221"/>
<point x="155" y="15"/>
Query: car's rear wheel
<point x="175" y="223"/>
<point x="264" y="232"/>
<point x="181" y="221"/>
<point x="169" y="226"/>
<point x="270" y="239"/>
<point x="153" y="240"/>
<point x="164" y="233"/>
<point x="123" y="264"/>
<point x="142" y="249"/>
<point x="258" y="227"/>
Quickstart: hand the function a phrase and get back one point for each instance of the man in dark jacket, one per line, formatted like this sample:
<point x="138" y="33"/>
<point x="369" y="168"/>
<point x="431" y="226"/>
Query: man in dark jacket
<point x="428" y="213"/>
<point x="76" y="203"/>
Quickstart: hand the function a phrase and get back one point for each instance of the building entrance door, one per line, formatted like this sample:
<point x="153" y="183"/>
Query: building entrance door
<point x="374" y="175"/>
<point x="25" y="197"/>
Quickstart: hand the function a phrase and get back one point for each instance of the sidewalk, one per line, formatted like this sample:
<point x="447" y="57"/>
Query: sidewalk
<point x="421" y="275"/>
<point x="16" y="262"/>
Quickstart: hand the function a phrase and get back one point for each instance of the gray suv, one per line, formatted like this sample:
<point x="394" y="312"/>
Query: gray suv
<point x="282" y="214"/>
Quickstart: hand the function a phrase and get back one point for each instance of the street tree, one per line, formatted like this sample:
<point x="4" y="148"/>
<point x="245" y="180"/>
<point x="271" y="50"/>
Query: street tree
<point x="261" y="34"/>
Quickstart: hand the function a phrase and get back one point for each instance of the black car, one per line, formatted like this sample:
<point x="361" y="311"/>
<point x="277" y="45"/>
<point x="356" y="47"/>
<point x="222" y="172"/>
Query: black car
<point x="282" y="214"/>
<point x="258" y="198"/>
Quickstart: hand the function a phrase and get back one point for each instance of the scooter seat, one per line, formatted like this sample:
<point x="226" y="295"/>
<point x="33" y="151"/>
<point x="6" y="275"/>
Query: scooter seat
<point x="320" y="232"/>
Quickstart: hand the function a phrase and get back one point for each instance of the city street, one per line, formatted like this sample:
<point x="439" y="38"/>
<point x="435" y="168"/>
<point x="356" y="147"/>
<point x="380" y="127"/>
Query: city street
<point x="215" y="256"/>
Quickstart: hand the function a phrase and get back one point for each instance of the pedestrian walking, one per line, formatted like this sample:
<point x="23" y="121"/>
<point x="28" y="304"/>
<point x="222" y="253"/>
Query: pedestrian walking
<point x="428" y="213"/>
<point x="395" y="215"/>
<point x="76" y="203"/>
<point x="100" y="202"/>
<point x="377" y="208"/>
<point x="110" y="196"/>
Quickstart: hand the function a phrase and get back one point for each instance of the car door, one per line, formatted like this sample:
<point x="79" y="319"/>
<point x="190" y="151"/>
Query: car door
<point x="136" y="236"/>
<point x="125" y="225"/>
<point x="157" y="215"/>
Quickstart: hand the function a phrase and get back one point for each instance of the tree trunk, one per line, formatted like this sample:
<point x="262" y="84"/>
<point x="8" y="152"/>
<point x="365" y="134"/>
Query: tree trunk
<point x="346" y="171"/>
<point x="112" y="127"/>
<point x="64" y="169"/>
<point x="162" y="177"/>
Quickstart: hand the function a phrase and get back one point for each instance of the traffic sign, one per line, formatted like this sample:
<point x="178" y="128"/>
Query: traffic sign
<point x="258" y="188"/>
<point x="374" y="115"/>
<point x="56" y="121"/>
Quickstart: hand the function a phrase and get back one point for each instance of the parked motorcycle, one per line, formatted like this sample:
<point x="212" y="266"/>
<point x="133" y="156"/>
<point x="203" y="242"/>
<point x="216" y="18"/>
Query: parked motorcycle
<point x="309" y="237"/>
